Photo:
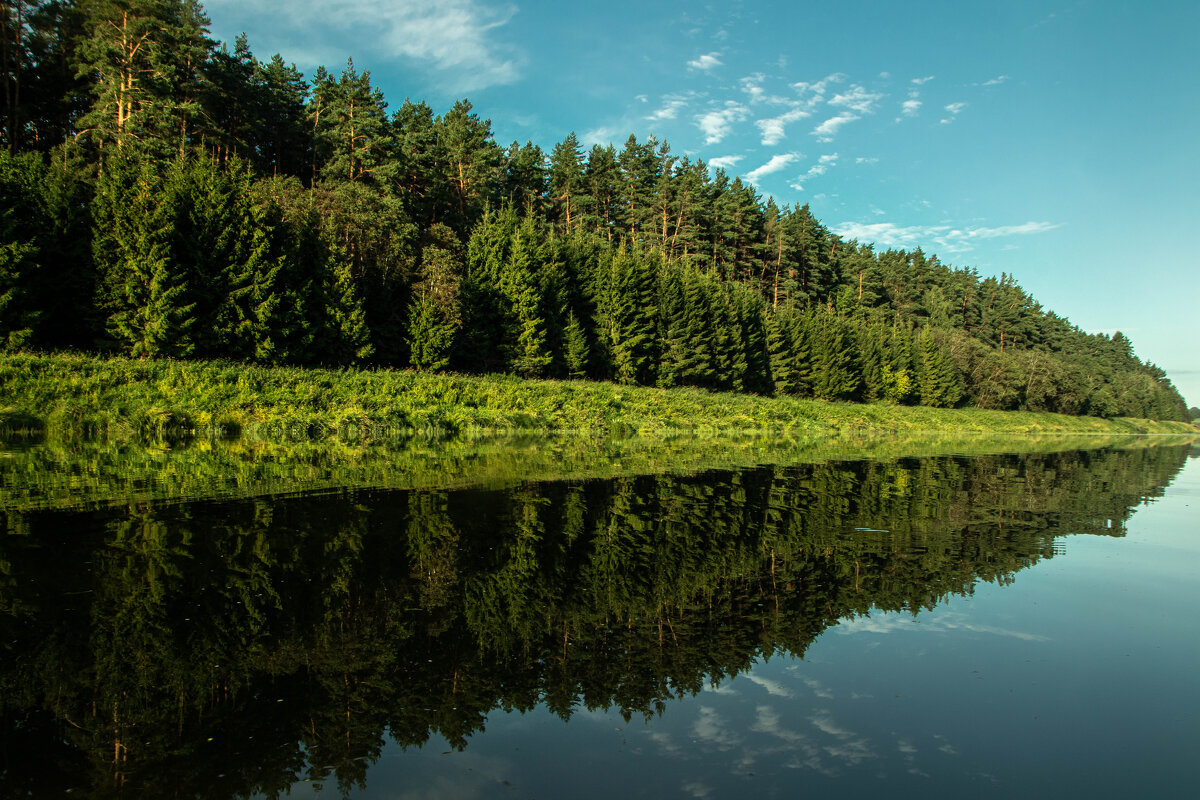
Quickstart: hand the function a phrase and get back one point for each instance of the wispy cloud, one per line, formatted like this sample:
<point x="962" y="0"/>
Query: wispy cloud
<point x="672" y="104"/>
<point x="752" y="86"/>
<point x="827" y="130"/>
<point x="910" y="107"/>
<point x="773" y="687"/>
<point x="823" y="165"/>
<point x="453" y="38"/>
<point x="774" y="129"/>
<point x="996" y="81"/>
<point x="922" y="81"/>
<point x="706" y="62"/>
<point x="711" y="728"/>
<point x="947" y="238"/>
<point x="767" y="721"/>
<point x="605" y="134"/>
<point x="818" y="688"/>
<point x="819" y="88"/>
<point x="856" y="99"/>
<point x="724" y="162"/>
<point x="716" y="124"/>
<point x="954" y="109"/>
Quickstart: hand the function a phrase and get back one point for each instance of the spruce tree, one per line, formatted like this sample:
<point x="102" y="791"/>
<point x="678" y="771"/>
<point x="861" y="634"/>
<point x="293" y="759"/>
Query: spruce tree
<point x="525" y="339"/>
<point x="937" y="380"/>
<point x="22" y="229"/>
<point x="576" y="347"/>
<point x="434" y="316"/>
<point x="633" y="329"/>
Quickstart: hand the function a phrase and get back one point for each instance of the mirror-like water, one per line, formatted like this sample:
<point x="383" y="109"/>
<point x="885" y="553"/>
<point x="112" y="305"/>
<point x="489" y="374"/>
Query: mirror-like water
<point x="986" y="624"/>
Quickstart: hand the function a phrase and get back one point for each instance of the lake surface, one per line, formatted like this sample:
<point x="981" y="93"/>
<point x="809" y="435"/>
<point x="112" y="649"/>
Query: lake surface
<point x="198" y="624"/>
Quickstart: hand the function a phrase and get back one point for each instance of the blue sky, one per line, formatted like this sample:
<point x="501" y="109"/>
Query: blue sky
<point x="1058" y="142"/>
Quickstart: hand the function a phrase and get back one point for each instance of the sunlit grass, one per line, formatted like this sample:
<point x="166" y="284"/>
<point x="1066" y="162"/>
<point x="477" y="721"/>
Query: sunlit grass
<point x="87" y="396"/>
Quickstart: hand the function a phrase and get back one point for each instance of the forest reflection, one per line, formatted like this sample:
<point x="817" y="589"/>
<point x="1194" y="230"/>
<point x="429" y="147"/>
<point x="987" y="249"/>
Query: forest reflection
<point x="228" y="648"/>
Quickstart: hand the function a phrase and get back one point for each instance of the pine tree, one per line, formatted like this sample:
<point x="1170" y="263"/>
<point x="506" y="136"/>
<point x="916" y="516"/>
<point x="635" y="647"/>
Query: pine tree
<point x="566" y="182"/>
<point x="472" y="163"/>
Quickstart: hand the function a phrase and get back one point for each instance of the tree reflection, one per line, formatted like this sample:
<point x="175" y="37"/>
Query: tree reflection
<point x="224" y="649"/>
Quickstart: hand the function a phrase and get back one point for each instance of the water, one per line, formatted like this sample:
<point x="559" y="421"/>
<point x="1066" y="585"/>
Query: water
<point x="984" y="625"/>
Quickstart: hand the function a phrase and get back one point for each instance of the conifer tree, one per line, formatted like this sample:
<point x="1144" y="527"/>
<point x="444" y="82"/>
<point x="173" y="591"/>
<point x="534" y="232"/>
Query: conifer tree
<point x="565" y="184"/>
<point x="835" y="370"/>
<point x="434" y="315"/>
<point x="525" y="340"/>
<point x="22" y="224"/>
<point x="150" y="310"/>
<point x="575" y="346"/>
<point x="347" y="337"/>
<point x="632" y="331"/>
<point x="937" y="381"/>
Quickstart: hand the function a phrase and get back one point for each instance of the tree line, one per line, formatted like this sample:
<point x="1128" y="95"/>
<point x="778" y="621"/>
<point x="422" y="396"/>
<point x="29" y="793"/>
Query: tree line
<point x="162" y="194"/>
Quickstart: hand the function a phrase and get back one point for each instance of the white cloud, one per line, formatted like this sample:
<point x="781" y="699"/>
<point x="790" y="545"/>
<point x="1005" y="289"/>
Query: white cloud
<point x="773" y="687"/>
<point x="767" y="721"/>
<point x="672" y="104"/>
<point x="820" y="87"/>
<point x="827" y="130"/>
<point x="705" y="62"/>
<point x="774" y="129"/>
<point x="823" y="722"/>
<point x="867" y="160"/>
<point x="999" y="79"/>
<point x="909" y="108"/>
<point x="716" y="124"/>
<point x="724" y="162"/>
<point x="922" y="81"/>
<point x="856" y="98"/>
<point x="946" y="238"/>
<point x="954" y="109"/>
<point x="452" y="37"/>
<point x="823" y="165"/>
<point x="711" y="728"/>
<point x="752" y="85"/>
<point x="603" y="135"/>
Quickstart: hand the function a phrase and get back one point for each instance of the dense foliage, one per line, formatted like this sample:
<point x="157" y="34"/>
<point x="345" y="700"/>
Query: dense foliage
<point x="163" y="195"/>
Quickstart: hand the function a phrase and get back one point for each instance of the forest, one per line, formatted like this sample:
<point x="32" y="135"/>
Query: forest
<point x="164" y="195"/>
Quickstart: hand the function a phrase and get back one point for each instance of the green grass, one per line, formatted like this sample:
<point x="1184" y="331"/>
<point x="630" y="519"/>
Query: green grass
<point x="120" y="398"/>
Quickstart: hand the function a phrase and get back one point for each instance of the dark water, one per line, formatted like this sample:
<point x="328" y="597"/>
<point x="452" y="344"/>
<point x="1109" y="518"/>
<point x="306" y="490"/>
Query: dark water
<point x="993" y="625"/>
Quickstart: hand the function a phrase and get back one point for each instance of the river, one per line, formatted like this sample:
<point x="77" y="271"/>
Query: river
<point x="984" y="624"/>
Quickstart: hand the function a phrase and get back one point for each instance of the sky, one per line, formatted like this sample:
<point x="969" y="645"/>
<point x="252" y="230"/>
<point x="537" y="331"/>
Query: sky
<point x="1058" y="142"/>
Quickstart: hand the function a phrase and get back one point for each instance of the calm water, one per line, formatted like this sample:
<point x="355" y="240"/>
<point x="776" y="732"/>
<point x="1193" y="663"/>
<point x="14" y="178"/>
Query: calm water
<point x="992" y="625"/>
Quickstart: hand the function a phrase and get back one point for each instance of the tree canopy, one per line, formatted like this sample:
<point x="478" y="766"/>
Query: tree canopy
<point x="168" y="195"/>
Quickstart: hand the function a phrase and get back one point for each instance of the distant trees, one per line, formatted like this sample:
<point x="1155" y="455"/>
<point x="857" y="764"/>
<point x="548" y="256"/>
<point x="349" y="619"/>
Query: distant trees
<point x="166" y="195"/>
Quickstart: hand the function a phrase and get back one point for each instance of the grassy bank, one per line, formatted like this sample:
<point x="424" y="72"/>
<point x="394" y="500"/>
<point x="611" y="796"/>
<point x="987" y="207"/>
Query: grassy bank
<point x="74" y="395"/>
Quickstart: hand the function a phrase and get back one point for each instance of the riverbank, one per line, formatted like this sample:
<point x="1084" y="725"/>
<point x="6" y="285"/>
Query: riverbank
<point x="87" y="396"/>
